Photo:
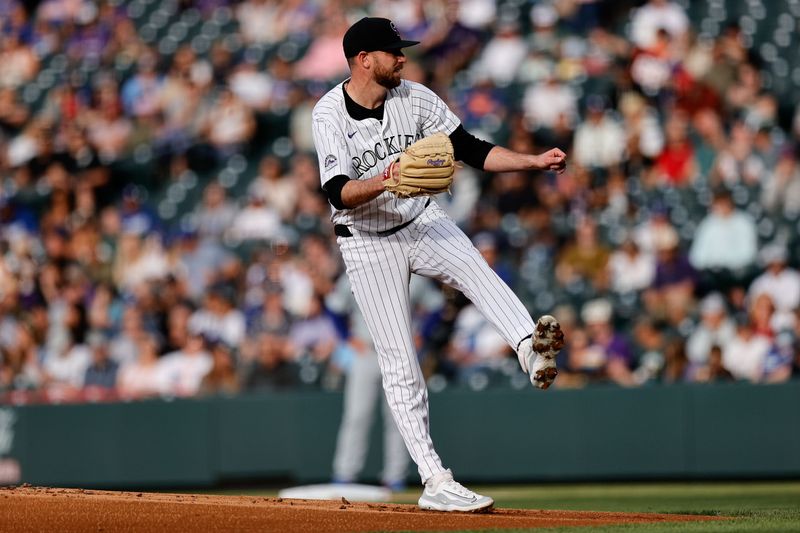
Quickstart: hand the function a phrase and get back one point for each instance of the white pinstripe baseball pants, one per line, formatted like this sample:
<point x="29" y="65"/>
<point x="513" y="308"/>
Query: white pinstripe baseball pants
<point x="380" y="268"/>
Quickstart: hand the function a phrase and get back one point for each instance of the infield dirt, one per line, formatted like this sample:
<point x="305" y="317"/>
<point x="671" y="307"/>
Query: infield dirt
<point x="67" y="510"/>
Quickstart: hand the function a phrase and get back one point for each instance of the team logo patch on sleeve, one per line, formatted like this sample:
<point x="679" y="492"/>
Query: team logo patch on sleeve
<point x="330" y="160"/>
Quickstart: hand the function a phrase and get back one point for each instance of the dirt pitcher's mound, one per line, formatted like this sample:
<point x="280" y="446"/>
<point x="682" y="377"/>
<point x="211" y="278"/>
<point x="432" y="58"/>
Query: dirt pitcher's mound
<point x="67" y="510"/>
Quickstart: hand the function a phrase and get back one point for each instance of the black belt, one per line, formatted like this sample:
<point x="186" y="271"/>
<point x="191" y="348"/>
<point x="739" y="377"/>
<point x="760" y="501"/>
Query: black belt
<point x="340" y="230"/>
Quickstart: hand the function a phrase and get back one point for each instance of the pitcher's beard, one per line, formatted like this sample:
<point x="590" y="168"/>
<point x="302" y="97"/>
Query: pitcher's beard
<point x="387" y="78"/>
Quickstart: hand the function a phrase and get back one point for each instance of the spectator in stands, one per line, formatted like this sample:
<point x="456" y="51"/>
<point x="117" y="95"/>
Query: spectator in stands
<point x="606" y="352"/>
<point x="65" y="366"/>
<point x="141" y="94"/>
<point x="736" y="162"/>
<point x="272" y="317"/>
<point x="746" y="353"/>
<point x="23" y="148"/>
<point x="198" y="261"/>
<point x="278" y="189"/>
<point x="645" y="138"/>
<point x="780" y="194"/>
<point x="724" y="248"/>
<point x="313" y="336"/>
<point x="268" y="22"/>
<point x="654" y="16"/>
<point x="141" y="377"/>
<point x="716" y="328"/>
<point x="104" y="311"/>
<point x="475" y="345"/>
<point x="259" y="21"/>
<point x="655" y="231"/>
<point x="216" y="213"/>
<point x="318" y="263"/>
<point x="222" y="378"/>
<point x="324" y="59"/>
<point x="135" y="215"/>
<point x="548" y="105"/>
<point x="21" y="363"/>
<point x="652" y="67"/>
<point x="218" y="319"/>
<point x="13" y="113"/>
<point x="651" y="344"/>
<point x="677" y="166"/>
<point x="126" y="45"/>
<point x="761" y="311"/>
<point x="251" y="85"/>
<point x="18" y="63"/>
<point x="409" y="17"/>
<point x="448" y="43"/>
<point x="140" y="261"/>
<point x="14" y="17"/>
<point x="585" y="258"/>
<point x="102" y="371"/>
<point x="61" y="12"/>
<point x="501" y="57"/>
<point x="178" y="101"/>
<point x="724" y="57"/>
<point x="714" y="371"/>
<point x="779" y="358"/>
<point x="676" y="364"/>
<point x="229" y="125"/>
<point x="255" y="221"/>
<point x="630" y="269"/>
<point x="544" y="19"/>
<point x="124" y="346"/>
<point x="780" y="282"/>
<point x="708" y="138"/>
<point x="181" y="372"/>
<point x="477" y="14"/>
<point x="581" y="363"/>
<point x="765" y="149"/>
<point x="744" y="92"/>
<point x="302" y="103"/>
<point x="273" y="368"/>
<point x="600" y="139"/>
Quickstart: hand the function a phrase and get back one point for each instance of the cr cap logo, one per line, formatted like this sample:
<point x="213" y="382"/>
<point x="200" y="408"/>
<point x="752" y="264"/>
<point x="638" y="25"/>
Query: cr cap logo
<point x="394" y="29"/>
<point x="435" y="162"/>
<point x="330" y="160"/>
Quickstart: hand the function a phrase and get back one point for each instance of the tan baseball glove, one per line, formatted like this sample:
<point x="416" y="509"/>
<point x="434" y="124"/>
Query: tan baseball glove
<point x="426" y="167"/>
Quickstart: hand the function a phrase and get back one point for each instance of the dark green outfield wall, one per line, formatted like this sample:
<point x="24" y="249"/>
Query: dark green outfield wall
<point x="599" y="433"/>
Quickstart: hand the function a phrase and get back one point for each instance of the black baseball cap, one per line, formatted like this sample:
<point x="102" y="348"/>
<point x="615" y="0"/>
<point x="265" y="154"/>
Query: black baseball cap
<point x="373" y="33"/>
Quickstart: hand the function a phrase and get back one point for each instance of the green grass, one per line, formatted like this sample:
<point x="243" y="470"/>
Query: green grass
<point x="751" y="506"/>
<point x="756" y="507"/>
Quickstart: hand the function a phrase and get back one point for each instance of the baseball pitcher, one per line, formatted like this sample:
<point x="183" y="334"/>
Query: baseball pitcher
<point x="385" y="145"/>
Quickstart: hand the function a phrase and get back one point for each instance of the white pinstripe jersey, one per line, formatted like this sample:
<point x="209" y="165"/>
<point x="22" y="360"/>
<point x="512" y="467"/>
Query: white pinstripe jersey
<point x="362" y="149"/>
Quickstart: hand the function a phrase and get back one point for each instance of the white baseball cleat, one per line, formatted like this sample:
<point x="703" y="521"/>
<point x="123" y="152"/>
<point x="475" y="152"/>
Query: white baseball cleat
<point x="538" y="358"/>
<point x="443" y="493"/>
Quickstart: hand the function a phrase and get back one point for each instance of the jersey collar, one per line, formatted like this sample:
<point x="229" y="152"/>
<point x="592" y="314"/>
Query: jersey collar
<point x="359" y="112"/>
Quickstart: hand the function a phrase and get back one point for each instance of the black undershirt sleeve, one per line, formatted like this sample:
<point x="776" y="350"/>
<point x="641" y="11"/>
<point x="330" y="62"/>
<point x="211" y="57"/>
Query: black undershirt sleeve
<point x="333" y="188"/>
<point x="470" y="149"/>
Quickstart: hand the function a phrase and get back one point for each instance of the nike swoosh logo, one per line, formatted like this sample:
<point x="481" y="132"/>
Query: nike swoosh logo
<point x="468" y="500"/>
<point x="350" y="135"/>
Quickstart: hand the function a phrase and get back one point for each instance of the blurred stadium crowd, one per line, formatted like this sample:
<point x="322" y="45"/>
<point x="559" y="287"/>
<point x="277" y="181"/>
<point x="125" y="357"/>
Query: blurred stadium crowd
<point x="163" y="231"/>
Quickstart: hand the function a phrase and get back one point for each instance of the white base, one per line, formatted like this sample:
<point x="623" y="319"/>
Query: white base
<point x="353" y="492"/>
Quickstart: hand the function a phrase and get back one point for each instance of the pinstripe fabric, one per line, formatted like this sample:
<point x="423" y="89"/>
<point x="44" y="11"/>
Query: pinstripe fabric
<point x="379" y="268"/>
<point x="362" y="149"/>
